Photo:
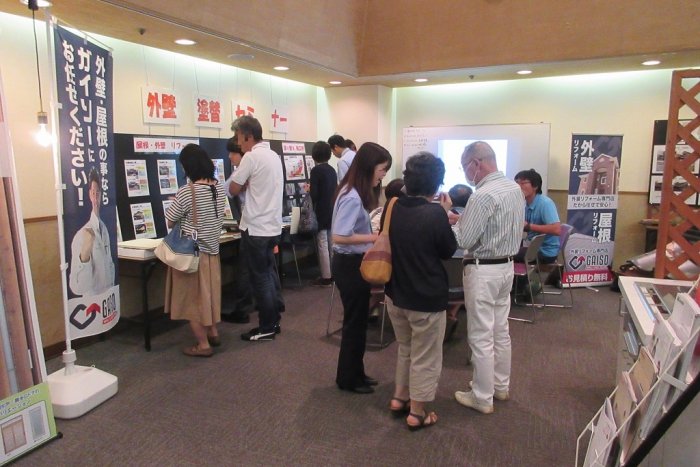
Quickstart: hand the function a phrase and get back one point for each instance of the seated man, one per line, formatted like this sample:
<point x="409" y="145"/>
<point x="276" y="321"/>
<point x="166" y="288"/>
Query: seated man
<point x="459" y="194"/>
<point x="541" y="217"/>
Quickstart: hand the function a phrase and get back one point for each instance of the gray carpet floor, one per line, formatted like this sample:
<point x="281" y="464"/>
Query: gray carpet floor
<point x="275" y="403"/>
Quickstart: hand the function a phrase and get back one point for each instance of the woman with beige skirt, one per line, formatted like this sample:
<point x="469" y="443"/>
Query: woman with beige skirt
<point x="196" y="296"/>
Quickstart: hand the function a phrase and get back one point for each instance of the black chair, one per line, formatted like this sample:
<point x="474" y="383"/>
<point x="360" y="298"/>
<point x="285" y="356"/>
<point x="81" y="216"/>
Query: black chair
<point x="376" y="292"/>
<point x="528" y="271"/>
<point x="558" y="268"/>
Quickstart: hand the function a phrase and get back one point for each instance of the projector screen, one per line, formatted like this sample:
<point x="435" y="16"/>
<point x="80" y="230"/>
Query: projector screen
<point x="517" y="147"/>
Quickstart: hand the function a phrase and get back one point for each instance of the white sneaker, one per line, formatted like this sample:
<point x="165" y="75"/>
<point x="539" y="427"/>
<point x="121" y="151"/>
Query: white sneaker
<point x="498" y="395"/>
<point x="467" y="399"/>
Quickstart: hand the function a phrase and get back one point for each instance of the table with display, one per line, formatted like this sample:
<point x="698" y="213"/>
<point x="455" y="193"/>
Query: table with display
<point x="146" y="261"/>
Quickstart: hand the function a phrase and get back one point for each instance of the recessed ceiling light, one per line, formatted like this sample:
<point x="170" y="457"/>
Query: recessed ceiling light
<point x="335" y="82"/>
<point x="185" y="42"/>
<point x="241" y="57"/>
<point x="524" y="72"/>
<point x="281" y="68"/>
<point x="421" y="80"/>
<point x="39" y="3"/>
<point x="651" y="62"/>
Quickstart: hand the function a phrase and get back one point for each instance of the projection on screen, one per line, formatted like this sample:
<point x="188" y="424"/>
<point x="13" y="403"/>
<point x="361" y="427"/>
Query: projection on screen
<point x="450" y="151"/>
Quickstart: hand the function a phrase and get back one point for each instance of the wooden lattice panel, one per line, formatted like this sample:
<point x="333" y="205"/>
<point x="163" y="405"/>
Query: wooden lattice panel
<point x="685" y="89"/>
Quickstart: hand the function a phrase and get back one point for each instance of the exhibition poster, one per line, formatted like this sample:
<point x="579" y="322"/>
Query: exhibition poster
<point x="592" y="209"/>
<point x="86" y="152"/>
<point x="26" y="421"/>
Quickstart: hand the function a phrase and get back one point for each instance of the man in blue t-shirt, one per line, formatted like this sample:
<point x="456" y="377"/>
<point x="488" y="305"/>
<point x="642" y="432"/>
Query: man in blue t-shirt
<point x="541" y="217"/>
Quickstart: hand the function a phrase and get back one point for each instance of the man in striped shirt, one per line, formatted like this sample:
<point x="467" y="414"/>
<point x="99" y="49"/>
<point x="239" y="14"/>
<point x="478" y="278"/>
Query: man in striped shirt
<point x="490" y="229"/>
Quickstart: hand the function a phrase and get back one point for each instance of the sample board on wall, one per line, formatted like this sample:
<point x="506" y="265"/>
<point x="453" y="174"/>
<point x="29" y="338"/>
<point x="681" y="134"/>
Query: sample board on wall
<point x="517" y="146"/>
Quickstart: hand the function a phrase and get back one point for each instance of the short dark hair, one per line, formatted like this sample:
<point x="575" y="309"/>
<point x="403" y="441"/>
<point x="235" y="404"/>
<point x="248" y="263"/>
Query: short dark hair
<point x="197" y="163"/>
<point x="94" y="176"/>
<point x="531" y="176"/>
<point x="321" y="152"/>
<point x="459" y="194"/>
<point x="232" y="146"/>
<point x="350" y="144"/>
<point x="393" y="189"/>
<point x="247" y="126"/>
<point x="337" y="140"/>
<point x="424" y="174"/>
<point x="361" y="174"/>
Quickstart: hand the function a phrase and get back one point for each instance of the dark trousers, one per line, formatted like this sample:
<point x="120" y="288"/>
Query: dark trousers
<point x="242" y="289"/>
<point x="259" y="253"/>
<point x="243" y="299"/>
<point x="354" y="293"/>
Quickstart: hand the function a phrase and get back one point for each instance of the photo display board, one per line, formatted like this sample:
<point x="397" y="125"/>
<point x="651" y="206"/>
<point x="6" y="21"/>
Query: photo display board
<point x="658" y="159"/>
<point x="148" y="175"/>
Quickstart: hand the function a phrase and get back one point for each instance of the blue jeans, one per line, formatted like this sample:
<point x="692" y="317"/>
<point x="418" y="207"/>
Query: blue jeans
<point x="259" y="252"/>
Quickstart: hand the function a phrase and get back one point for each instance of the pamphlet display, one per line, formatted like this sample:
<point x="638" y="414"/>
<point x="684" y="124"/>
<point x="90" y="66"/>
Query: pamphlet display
<point x="646" y="392"/>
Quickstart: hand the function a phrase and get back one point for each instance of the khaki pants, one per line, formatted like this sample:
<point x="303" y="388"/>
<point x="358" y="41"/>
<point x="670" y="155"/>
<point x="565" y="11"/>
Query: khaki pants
<point x="419" y="361"/>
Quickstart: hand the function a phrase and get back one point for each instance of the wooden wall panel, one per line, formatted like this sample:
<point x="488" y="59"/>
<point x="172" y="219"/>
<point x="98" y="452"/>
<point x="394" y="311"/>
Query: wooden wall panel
<point x="685" y="96"/>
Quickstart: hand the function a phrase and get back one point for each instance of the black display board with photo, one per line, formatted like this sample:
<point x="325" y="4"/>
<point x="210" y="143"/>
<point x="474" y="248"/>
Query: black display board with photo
<point x="658" y="159"/>
<point x="148" y="175"/>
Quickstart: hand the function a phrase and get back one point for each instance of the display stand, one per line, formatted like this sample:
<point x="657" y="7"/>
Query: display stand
<point x="650" y="396"/>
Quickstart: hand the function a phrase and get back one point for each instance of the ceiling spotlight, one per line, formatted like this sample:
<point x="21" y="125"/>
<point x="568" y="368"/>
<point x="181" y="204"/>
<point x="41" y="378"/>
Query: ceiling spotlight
<point x="38" y="3"/>
<point x="335" y="82"/>
<point x="185" y="42"/>
<point x="524" y="72"/>
<point x="651" y="62"/>
<point x="281" y="68"/>
<point x="421" y="80"/>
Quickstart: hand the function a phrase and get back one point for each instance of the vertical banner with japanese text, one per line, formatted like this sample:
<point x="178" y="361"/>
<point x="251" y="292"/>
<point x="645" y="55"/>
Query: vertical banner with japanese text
<point x="592" y="208"/>
<point x="86" y="152"/>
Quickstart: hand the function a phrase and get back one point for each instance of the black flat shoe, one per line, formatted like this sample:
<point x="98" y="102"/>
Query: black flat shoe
<point x="369" y="381"/>
<point x="359" y="389"/>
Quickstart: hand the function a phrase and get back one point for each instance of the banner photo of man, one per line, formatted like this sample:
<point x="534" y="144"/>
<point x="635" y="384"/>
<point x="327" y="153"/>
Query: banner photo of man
<point x="592" y="209"/>
<point x="85" y="122"/>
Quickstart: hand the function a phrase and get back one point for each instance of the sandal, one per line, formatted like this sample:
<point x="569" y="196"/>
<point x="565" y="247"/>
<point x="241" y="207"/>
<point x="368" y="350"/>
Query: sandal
<point x="196" y="351"/>
<point x="214" y="341"/>
<point x="400" y="410"/>
<point x="432" y="416"/>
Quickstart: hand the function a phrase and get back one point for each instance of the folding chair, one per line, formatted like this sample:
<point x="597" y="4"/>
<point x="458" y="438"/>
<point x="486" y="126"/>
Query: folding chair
<point x="559" y="266"/>
<point x="376" y="291"/>
<point x="529" y="270"/>
<point x="291" y="239"/>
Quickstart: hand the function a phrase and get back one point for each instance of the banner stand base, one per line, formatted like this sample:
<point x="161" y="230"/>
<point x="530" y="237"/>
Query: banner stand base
<point x="75" y="389"/>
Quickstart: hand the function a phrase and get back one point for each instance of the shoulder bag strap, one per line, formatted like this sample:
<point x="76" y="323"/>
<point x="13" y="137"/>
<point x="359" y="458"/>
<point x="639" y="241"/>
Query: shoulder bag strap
<point x="194" y="212"/>
<point x="387" y="217"/>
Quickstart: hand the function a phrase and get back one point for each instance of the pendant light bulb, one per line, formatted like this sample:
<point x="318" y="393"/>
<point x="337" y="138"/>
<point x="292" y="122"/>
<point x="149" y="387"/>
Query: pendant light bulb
<point x="43" y="136"/>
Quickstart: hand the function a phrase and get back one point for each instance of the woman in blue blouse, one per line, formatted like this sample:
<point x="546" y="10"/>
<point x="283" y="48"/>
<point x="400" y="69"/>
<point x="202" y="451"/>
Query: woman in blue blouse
<point x="357" y="195"/>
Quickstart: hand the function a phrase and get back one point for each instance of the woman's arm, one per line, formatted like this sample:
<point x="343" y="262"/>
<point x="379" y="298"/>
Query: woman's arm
<point x="354" y="239"/>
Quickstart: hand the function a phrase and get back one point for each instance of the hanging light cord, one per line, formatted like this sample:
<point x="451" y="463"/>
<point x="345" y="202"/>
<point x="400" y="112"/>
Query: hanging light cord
<point x="36" y="54"/>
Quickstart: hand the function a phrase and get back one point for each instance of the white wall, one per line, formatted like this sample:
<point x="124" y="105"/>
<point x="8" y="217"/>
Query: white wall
<point x="617" y="103"/>
<point x="134" y="67"/>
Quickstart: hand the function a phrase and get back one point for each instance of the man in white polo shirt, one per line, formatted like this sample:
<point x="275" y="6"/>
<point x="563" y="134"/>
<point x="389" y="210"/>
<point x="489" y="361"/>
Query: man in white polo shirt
<point x="260" y="175"/>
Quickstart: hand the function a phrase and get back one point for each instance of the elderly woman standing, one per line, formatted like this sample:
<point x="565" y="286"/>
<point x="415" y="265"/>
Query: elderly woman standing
<point x="196" y="297"/>
<point x="421" y="237"/>
<point x="357" y="194"/>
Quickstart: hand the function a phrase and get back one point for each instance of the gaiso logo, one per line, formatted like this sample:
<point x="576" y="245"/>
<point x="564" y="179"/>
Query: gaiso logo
<point x="82" y="320"/>
<point x="577" y="262"/>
